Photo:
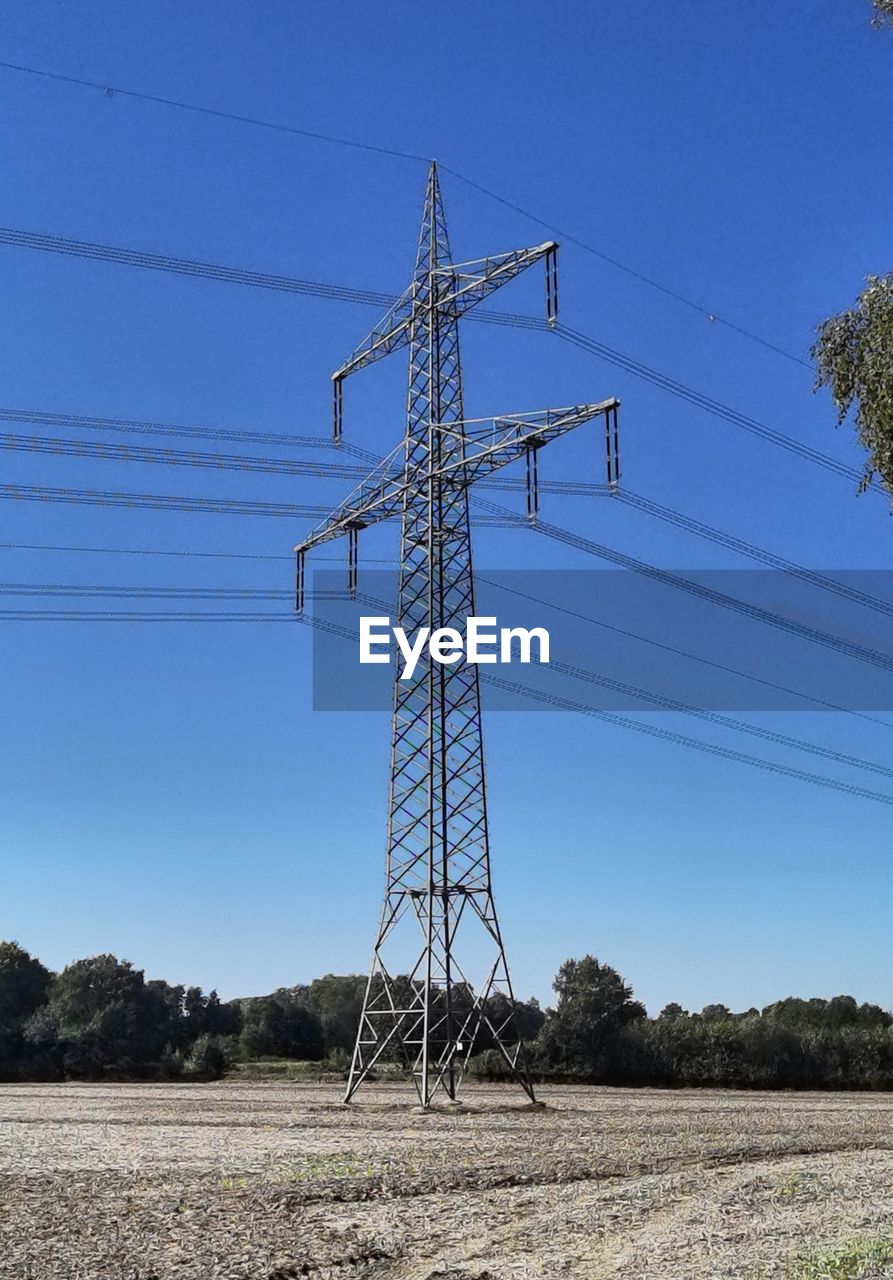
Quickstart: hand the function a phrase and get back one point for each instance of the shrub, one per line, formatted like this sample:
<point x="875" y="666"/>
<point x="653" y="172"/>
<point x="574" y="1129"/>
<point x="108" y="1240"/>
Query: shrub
<point x="208" y="1057"/>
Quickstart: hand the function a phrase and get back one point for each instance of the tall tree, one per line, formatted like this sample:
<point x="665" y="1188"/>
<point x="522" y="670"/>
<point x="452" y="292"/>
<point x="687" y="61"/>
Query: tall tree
<point x="594" y="1004"/>
<point x="715" y="1012"/>
<point x="672" y="1011"/>
<point x="853" y="356"/>
<point x="85" y="990"/>
<point x="108" y="1014"/>
<point x="854" y="359"/>
<point x="281" y="1026"/>
<point x="23" y="985"/>
<point x="337" y="999"/>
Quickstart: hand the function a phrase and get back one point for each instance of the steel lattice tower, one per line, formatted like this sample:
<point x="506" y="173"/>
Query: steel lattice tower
<point x="429" y="1010"/>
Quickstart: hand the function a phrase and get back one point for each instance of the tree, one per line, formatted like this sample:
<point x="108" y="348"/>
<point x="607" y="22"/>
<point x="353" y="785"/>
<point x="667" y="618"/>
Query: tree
<point x="208" y="1057"/>
<point x="280" y="1026"/>
<point x="594" y="1004"/>
<point x="673" y="1010"/>
<point x="853" y="355"/>
<point x="716" y="1013"/>
<point x="86" y="989"/>
<point x="23" y="985"/>
<point x="162" y="1024"/>
<point x="206" y="1013"/>
<point x="530" y="1018"/>
<point x="498" y="1010"/>
<point x="854" y="359"/>
<point x="110" y="1017"/>
<point x="337" y="999"/>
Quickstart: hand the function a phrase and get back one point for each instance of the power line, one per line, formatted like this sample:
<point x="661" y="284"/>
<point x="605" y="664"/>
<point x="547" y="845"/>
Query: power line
<point x="140" y="551"/>
<point x="636" y="725"/>
<point x="40" y="417"/>
<point x="105" y="452"/>
<point x="753" y="552"/>
<point x="242" y="462"/>
<point x="287" y="466"/>
<point x="115" y="615"/>
<point x="153" y="551"/>
<point x="630" y="271"/>
<point x="684" y="653"/>
<point x="709" y="405"/>
<point x="586" y="246"/>
<point x="189" y="267"/>
<point x="665" y="703"/>
<point x="679" y="739"/>
<point x="597" y="622"/>
<point x="661" y="701"/>
<point x="552" y="700"/>
<point x="160" y="502"/>
<point x="666" y="735"/>
<point x="340" y="293"/>
<point x="171" y="502"/>
<point x="118" y="91"/>
<point x="215" y="461"/>
<point x="493" y="517"/>
<point x="708" y="594"/>
<point x="141" y="591"/>
<point x="798" y="629"/>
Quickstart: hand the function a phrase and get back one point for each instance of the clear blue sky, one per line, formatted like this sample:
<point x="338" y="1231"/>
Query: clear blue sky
<point x="166" y="792"/>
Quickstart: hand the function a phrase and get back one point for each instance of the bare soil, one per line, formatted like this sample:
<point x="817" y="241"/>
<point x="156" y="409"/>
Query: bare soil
<point x="271" y="1182"/>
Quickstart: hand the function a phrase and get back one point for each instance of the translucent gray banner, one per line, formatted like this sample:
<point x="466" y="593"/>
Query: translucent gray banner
<point x="731" y="640"/>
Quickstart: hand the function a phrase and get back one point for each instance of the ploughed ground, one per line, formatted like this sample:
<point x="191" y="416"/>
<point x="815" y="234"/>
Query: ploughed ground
<point x="270" y="1182"/>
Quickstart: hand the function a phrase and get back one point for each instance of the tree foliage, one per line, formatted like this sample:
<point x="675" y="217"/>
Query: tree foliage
<point x="599" y="1033"/>
<point x="281" y="1026"/>
<point x="673" y="1010"/>
<point x="854" y="359"/>
<point x="101" y="1017"/>
<point x="594" y="1003"/>
<point x="208" y="1056"/>
<point x="853" y="355"/>
<point x="23" y="985"/>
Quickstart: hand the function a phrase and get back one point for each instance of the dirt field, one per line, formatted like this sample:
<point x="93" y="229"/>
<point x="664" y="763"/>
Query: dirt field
<point x="262" y="1182"/>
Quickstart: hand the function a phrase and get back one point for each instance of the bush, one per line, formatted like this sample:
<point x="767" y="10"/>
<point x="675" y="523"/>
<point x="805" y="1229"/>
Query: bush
<point x="208" y="1057"/>
<point x="280" y="1026"/>
<point x="337" y="1060"/>
<point x="489" y="1065"/>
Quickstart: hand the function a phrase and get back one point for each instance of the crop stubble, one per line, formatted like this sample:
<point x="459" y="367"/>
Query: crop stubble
<point x="265" y="1182"/>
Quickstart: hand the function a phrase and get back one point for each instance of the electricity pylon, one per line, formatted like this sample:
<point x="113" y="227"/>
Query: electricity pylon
<point x="422" y="1003"/>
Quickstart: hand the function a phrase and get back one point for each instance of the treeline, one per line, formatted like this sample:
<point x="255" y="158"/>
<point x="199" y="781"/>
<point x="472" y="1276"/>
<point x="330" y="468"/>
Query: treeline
<point x="599" y="1033"/>
<point x="101" y="1019"/>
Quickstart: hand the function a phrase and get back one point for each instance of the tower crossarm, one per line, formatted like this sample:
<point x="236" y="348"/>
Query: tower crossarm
<point x="462" y="285"/>
<point x="390" y="334"/>
<point x="490" y="443"/>
<point x="378" y="497"/>
<point x="451" y="289"/>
